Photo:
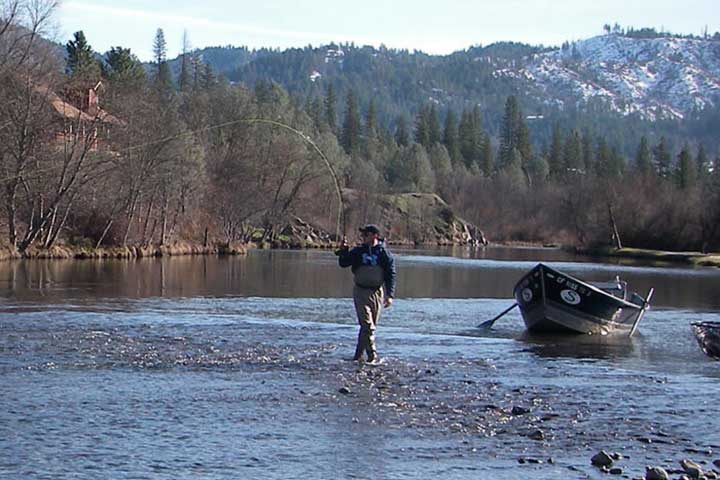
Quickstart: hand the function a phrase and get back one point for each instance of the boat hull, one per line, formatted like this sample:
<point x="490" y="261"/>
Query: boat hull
<point x="708" y="336"/>
<point x="551" y="301"/>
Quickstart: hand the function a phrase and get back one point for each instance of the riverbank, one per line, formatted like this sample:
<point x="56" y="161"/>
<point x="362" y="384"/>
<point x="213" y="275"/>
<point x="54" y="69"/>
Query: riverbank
<point x="691" y="258"/>
<point x="64" y="252"/>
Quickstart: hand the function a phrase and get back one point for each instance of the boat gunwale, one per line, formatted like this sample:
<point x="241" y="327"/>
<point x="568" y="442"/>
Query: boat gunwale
<point x="595" y="289"/>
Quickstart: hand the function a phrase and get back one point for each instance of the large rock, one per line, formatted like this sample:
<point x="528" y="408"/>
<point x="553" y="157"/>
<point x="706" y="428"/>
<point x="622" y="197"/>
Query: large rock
<point x="412" y="218"/>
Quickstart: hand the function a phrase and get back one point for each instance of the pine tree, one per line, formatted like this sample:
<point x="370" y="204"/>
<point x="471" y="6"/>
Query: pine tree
<point x="123" y="67"/>
<point x="207" y="79"/>
<point x="433" y="124"/>
<point x="588" y="160"/>
<point x="184" y="79"/>
<point x="330" y="108"/>
<point x="487" y="160"/>
<point x="471" y="137"/>
<point x="80" y="58"/>
<point x="572" y="153"/>
<point x="466" y="137"/>
<point x="514" y="133"/>
<point x="555" y="155"/>
<point x="603" y="159"/>
<point x="422" y="127"/>
<point x="350" y="136"/>
<point x="509" y="132"/>
<point x="617" y="164"/>
<point x="371" y="120"/>
<point x="523" y="138"/>
<point x="686" y="172"/>
<point x="163" y="78"/>
<point x="315" y="111"/>
<point x="702" y="163"/>
<point x="513" y="170"/>
<point x="537" y="169"/>
<point x="421" y="171"/>
<point x="643" y="160"/>
<point x="663" y="159"/>
<point x="450" y="137"/>
<point x="402" y="136"/>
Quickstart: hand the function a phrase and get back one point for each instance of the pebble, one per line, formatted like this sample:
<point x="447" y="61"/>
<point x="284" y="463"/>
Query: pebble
<point x="691" y="468"/>
<point x="602" y="459"/>
<point x="615" y="471"/>
<point x="717" y="462"/>
<point x="656" y="473"/>
<point x="537" y="435"/>
<point x="344" y="390"/>
<point x="519" y="410"/>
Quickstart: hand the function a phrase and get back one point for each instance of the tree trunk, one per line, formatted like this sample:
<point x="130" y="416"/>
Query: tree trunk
<point x="144" y="240"/>
<point x="105" y="231"/>
<point x="11" y="210"/>
<point x="130" y="218"/>
<point x="614" y="235"/>
<point x="50" y="228"/>
<point x="55" y="234"/>
<point x="163" y="220"/>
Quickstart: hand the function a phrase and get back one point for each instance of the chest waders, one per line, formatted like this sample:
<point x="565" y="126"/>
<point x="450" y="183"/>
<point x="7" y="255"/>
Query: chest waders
<point x="368" y="296"/>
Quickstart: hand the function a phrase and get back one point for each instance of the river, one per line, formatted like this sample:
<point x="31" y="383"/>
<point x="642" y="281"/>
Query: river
<point x="219" y="368"/>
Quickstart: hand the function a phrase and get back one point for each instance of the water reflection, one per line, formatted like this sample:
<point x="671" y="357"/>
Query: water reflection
<point x="579" y="346"/>
<point x="448" y="273"/>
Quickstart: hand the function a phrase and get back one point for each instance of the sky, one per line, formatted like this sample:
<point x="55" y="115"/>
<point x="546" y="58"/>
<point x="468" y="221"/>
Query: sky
<point x="437" y="27"/>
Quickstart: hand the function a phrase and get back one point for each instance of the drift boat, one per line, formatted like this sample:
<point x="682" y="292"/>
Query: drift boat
<point x="552" y="301"/>
<point x="708" y="336"/>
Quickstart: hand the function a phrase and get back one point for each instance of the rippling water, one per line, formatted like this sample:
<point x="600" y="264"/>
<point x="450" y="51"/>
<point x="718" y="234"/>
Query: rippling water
<point x="232" y="368"/>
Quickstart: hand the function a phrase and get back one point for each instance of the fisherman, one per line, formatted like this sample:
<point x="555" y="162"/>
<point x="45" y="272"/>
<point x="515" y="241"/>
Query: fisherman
<point x="373" y="268"/>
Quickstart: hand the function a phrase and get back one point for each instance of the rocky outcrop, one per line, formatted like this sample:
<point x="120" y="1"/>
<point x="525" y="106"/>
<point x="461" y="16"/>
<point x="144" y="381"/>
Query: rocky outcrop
<point x="301" y="234"/>
<point x="412" y="219"/>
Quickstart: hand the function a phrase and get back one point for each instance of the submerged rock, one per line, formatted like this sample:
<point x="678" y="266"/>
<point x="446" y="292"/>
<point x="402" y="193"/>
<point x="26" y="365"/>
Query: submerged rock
<point x="519" y="410"/>
<point x="537" y="435"/>
<point x="344" y="390"/>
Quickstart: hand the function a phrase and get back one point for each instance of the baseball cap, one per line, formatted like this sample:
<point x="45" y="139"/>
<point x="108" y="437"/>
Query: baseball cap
<point x="370" y="228"/>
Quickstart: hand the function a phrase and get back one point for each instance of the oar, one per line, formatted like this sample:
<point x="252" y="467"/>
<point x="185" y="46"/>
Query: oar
<point x="489" y="323"/>
<point x="646" y="305"/>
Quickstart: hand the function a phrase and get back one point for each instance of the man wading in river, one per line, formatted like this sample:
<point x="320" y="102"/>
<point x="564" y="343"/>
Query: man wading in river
<point x="373" y="268"/>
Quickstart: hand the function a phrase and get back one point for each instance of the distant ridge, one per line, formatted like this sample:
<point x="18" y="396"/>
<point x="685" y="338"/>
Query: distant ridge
<point x="589" y="83"/>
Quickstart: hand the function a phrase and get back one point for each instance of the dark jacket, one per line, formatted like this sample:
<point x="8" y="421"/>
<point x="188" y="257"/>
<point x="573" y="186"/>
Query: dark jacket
<point x="378" y="255"/>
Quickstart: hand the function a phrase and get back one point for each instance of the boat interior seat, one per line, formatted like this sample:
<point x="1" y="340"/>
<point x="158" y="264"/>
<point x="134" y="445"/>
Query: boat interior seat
<point x="617" y="287"/>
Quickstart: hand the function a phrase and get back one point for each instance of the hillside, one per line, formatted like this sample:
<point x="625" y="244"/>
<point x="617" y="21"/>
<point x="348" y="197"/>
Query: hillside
<point x="657" y="78"/>
<point x="610" y="84"/>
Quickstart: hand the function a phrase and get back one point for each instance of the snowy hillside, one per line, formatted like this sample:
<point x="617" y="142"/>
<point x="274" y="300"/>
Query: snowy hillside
<point x="658" y="78"/>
